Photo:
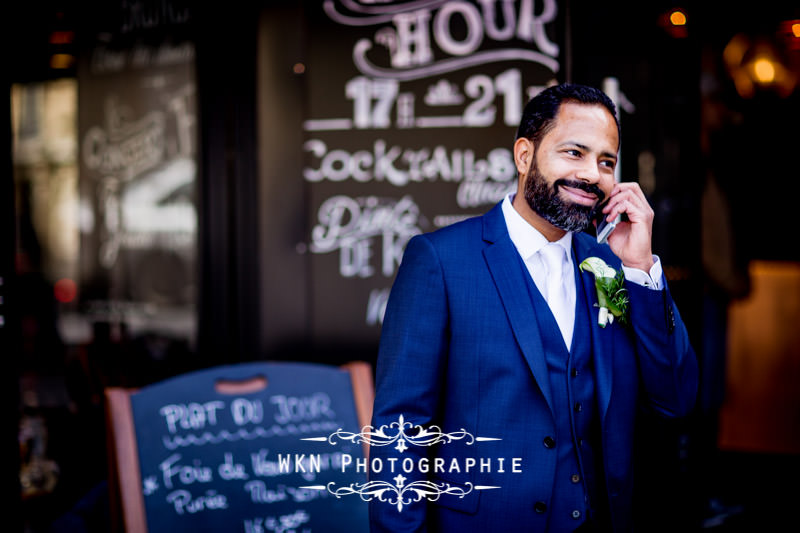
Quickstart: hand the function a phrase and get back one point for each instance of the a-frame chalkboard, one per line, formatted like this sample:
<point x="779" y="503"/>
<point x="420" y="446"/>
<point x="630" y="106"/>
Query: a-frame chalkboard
<point x="222" y="449"/>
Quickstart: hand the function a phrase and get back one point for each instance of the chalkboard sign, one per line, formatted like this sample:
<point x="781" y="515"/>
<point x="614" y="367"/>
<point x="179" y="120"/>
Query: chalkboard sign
<point x="412" y="109"/>
<point x="223" y="449"/>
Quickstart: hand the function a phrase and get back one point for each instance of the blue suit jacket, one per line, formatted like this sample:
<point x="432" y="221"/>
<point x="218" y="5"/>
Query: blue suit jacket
<point x="460" y="350"/>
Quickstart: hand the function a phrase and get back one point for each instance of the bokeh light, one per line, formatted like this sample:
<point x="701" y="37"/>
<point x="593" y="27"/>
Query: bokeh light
<point x="65" y="290"/>
<point x="677" y="18"/>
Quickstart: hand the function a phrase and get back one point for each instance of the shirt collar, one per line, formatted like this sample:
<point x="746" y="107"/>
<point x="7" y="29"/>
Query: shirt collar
<point x="527" y="239"/>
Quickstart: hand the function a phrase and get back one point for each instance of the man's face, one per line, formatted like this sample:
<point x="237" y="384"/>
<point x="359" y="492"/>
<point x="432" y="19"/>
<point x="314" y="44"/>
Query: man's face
<point x="573" y="166"/>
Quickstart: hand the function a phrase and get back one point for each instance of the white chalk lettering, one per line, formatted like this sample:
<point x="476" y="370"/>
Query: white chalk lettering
<point x="279" y="524"/>
<point x="259" y="493"/>
<point x="246" y="411"/>
<point x="411" y="36"/>
<point x="186" y="474"/>
<point x="478" y="193"/>
<point x="401" y="166"/>
<point x="183" y="502"/>
<point x="190" y="416"/>
<point x="352" y="225"/>
<point x="229" y="470"/>
<point x="292" y="409"/>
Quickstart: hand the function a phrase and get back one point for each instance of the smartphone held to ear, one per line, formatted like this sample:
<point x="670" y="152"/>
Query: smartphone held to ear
<point x="604" y="227"/>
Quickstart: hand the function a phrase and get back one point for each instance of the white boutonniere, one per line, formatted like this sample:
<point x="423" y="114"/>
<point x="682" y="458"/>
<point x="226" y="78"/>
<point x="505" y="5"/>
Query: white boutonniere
<point x="612" y="296"/>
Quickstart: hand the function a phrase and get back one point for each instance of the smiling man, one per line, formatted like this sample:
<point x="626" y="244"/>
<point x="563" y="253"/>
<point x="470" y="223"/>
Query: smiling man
<point x="492" y="329"/>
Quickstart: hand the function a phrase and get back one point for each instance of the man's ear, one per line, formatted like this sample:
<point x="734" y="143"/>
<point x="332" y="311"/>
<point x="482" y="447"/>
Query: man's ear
<point x="523" y="155"/>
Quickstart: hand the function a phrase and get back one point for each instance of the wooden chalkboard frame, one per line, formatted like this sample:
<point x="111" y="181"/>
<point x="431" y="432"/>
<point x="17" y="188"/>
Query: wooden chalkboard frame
<point x="125" y="482"/>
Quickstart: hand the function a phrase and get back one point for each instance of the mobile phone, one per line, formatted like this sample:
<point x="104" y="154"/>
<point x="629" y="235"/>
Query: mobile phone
<point x="604" y="227"/>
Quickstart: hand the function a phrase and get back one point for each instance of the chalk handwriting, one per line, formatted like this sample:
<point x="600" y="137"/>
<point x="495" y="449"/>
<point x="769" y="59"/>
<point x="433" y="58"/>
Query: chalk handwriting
<point x="302" y="408"/>
<point x="420" y="40"/>
<point x="352" y="226"/>
<point x="184" y="502"/>
<point x="190" y="416"/>
<point x="279" y="524"/>
<point x="185" y="474"/>
<point x="400" y="166"/>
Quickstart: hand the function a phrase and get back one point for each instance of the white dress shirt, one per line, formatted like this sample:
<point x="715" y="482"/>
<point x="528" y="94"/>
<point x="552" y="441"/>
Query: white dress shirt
<point x="529" y="242"/>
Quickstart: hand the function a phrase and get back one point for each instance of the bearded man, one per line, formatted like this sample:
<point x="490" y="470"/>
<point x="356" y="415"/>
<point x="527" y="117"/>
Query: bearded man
<point x="492" y="344"/>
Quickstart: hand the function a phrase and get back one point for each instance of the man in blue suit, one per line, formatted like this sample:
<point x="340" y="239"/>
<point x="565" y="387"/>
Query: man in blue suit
<point x="492" y="331"/>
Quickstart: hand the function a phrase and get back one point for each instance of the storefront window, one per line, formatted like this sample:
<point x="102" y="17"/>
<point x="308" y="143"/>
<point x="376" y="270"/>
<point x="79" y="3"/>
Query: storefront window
<point x="44" y="126"/>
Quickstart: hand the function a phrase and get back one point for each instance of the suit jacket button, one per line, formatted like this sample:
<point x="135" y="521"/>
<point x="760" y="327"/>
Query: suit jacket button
<point x="549" y="442"/>
<point x="670" y="319"/>
<point x="540" y="507"/>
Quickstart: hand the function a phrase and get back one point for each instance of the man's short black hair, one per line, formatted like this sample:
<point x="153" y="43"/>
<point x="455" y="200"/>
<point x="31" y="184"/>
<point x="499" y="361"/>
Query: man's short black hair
<point x="540" y="112"/>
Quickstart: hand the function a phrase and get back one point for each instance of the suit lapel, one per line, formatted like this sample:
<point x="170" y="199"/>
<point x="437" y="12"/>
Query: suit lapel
<point x="602" y="338"/>
<point x="502" y="259"/>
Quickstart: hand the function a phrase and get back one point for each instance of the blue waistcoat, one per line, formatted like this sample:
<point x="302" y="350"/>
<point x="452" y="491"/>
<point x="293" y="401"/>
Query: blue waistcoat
<point x="571" y="375"/>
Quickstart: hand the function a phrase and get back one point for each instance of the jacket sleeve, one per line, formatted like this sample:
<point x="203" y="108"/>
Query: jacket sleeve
<point x="409" y="374"/>
<point x="667" y="362"/>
